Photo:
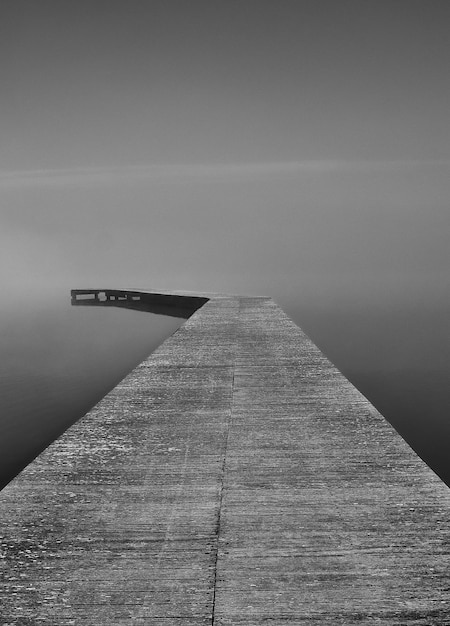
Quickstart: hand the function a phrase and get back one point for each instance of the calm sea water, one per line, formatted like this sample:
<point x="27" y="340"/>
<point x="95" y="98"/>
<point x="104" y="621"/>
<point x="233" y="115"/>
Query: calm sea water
<point x="58" y="361"/>
<point x="399" y="358"/>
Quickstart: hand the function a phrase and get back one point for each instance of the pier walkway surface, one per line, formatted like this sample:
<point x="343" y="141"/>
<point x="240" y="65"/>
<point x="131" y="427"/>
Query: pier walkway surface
<point x="237" y="478"/>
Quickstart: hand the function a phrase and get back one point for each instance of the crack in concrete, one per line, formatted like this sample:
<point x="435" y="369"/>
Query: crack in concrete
<point x="222" y="480"/>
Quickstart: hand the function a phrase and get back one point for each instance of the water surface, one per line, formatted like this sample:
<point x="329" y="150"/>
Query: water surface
<point x="58" y="361"/>
<point x="399" y="358"/>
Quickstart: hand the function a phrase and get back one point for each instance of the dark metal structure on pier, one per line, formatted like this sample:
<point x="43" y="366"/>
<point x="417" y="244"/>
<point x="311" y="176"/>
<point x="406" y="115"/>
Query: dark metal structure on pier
<point x="234" y="478"/>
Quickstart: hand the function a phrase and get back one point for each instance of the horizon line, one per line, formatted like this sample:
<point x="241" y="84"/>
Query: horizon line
<point x="183" y="172"/>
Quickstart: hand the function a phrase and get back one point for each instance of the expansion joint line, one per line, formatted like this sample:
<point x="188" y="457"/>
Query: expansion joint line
<point x="222" y="475"/>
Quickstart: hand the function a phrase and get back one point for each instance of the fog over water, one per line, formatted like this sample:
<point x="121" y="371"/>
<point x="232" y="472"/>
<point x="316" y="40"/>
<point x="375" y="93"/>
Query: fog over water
<point x="58" y="361"/>
<point x="297" y="149"/>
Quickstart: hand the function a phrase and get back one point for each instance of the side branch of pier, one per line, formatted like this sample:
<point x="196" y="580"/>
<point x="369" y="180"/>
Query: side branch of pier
<point x="173" y="305"/>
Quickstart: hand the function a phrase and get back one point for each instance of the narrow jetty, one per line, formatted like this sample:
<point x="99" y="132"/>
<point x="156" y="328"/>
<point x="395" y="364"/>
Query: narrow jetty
<point x="173" y="305"/>
<point x="234" y="478"/>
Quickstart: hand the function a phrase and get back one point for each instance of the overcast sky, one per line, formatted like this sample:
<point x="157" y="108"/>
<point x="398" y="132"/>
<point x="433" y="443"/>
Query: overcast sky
<point x="293" y="148"/>
<point x="298" y="148"/>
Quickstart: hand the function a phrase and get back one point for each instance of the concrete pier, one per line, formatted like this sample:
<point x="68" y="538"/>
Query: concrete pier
<point x="234" y="478"/>
<point x="172" y="305"/>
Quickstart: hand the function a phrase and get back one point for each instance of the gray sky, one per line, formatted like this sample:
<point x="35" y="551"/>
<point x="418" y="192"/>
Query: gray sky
<point x="296" y="148"/>
<point x="293" y="148"/>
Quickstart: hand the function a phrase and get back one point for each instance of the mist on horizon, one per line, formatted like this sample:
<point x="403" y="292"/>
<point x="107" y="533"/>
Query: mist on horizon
<point x="298" y="150"/>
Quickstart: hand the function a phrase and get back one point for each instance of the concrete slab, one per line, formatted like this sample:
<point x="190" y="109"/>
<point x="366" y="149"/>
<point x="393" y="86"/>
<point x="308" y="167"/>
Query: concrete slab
<point x="234" y="478"/>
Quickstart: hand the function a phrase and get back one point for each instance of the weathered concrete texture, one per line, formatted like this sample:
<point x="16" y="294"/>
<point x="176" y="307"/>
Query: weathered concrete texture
<point x="327" y="515"/>
<point x="233" y="478"/>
